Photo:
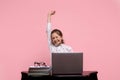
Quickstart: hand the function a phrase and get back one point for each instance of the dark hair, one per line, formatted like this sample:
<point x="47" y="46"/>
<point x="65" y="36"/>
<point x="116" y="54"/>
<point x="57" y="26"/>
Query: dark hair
<point x="58" y="32"/>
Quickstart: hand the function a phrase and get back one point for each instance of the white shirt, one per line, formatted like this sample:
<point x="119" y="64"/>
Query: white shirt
<point x="62" y="48"/>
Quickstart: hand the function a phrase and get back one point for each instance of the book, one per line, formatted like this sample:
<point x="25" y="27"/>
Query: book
<point x="39" y="70"/>
<point x="38" y="74"/>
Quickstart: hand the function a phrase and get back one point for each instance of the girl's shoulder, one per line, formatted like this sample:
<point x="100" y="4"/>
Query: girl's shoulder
<point x="66" y="46"/>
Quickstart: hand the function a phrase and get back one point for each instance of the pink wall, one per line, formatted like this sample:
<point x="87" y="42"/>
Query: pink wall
<point x="89" y="26"/>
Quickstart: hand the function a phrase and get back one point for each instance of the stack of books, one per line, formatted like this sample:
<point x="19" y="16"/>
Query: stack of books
<point x="39" y="70"/>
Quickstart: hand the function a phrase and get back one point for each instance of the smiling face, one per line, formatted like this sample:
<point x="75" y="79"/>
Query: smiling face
<point x="56" y="37"/>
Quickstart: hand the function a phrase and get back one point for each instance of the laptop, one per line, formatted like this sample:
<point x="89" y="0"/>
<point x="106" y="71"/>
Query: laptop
<point x="67" y="63"/>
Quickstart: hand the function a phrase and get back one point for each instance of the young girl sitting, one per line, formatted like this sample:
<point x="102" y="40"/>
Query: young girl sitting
<point x="55" y="38"/>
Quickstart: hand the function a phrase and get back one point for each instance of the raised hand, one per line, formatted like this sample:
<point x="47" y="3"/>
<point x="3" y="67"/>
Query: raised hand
<point x="52" y="12"/>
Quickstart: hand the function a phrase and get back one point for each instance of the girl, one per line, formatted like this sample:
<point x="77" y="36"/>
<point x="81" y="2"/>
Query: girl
<point x="55" y="38"/>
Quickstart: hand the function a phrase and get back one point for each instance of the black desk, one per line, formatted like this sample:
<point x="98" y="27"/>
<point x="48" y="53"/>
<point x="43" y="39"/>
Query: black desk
<point x="86" y="75"/>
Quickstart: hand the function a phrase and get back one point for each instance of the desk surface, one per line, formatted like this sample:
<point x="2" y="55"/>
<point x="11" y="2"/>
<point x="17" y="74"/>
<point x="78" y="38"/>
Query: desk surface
<point x="86" y="75"/>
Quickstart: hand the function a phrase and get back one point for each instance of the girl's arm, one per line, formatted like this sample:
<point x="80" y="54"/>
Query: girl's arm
<point x="49" y="27"/>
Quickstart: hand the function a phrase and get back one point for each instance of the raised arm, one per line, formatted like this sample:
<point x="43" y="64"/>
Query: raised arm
<point x="49" y="27"/>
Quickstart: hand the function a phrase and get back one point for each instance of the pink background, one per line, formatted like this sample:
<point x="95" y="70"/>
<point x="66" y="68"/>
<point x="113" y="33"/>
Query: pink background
<point x="89" y="26"/>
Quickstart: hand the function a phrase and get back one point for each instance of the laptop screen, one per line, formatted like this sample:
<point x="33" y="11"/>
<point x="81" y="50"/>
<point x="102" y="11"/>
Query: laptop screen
<point x="67" y="63"/>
